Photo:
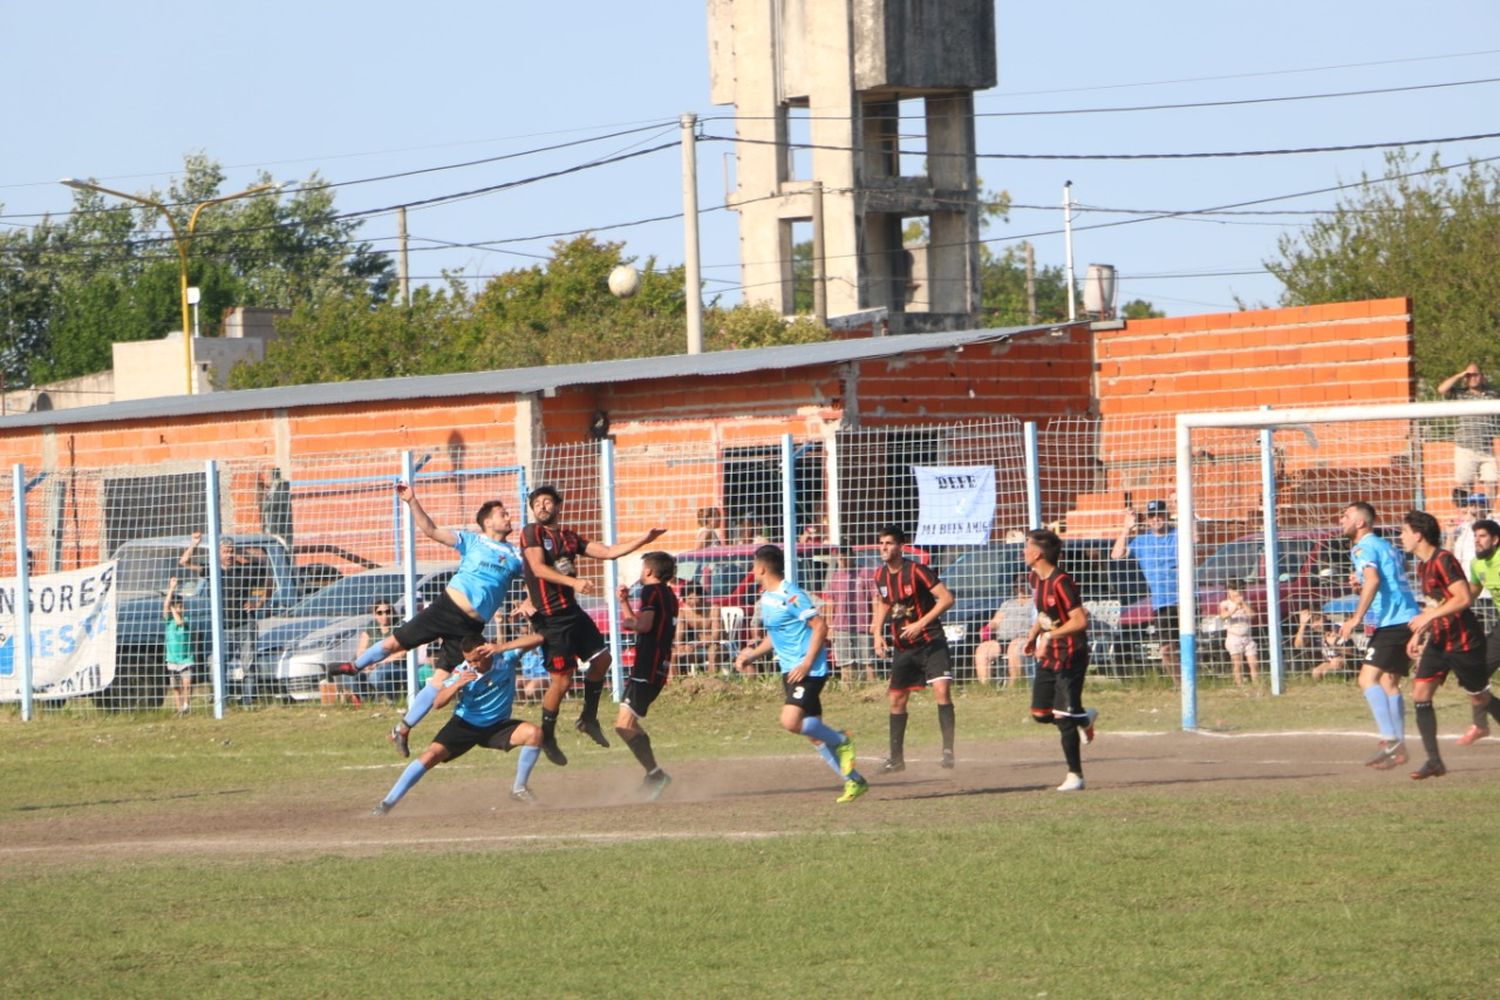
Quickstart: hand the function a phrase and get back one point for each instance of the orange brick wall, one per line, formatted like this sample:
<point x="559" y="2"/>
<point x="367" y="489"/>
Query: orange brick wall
<point x="1340" y="353"/>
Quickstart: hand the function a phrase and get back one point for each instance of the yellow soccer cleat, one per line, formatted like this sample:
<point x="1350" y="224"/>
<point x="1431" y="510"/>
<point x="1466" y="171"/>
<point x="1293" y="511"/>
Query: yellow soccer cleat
<point x="853" y="790"/>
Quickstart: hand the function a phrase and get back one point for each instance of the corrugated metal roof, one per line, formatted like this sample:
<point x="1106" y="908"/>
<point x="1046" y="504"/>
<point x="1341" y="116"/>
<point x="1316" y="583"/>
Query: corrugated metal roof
<point x="518" y="380"/>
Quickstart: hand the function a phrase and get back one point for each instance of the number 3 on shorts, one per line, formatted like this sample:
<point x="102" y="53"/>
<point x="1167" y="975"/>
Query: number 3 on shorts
<point x="797" y="692"/>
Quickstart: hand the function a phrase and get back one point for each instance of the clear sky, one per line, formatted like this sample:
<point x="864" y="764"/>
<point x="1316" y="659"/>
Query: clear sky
<point x="120" y="92"/>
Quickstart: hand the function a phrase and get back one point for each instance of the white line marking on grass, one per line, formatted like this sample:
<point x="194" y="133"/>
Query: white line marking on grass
<point x="260" y="845"/>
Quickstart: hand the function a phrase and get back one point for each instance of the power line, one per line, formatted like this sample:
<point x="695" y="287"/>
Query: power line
<point x="1052" y="112"/>
<point x="1219" y="154"/>
<point x="1247" y="76"/>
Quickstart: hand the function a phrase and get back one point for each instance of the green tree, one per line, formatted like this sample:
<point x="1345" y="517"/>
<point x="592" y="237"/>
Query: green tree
<point x="109" y="271"/>
<point x="1140" y="309"/>
<point x="560" y="312"/>
<point x="1434" y="237"/>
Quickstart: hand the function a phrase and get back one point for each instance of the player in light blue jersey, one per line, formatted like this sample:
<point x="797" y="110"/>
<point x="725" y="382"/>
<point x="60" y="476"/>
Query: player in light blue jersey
<point x="1385" y="591"/>
<point x="485" y="689"/>
<point x="488" y="563"/>
<point x="799" y="635"/>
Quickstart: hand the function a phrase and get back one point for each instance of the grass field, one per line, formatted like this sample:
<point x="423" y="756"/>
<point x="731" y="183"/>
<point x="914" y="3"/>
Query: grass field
<point x="156" y="856"/>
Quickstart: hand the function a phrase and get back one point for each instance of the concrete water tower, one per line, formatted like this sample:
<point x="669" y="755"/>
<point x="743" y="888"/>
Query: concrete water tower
<point x="883" y="92"/>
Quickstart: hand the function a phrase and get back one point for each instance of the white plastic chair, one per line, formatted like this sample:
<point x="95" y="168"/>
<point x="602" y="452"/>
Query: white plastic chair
<point x="732" y="617"/>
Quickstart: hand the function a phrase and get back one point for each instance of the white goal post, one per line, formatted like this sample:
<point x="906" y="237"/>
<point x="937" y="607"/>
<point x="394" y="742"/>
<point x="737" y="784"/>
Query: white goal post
<point x="1421" y="423"/>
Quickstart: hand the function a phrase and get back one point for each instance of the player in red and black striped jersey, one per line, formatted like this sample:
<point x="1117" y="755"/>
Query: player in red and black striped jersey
<point x="1059" y="640"/>
<point x="907" y="618"/>
<point x="1455" y="640"/>
<point x="549" y="552"/>
<point x="654" y="623"/>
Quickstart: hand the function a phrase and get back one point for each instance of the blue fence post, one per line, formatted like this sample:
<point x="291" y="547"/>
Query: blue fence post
<point x="215" y="584"/>
<point x="408" y="538"/>
<point x="1273" y="556"/>
<point x="21" y="641"/>
<point x="789" y="505"/>
<point x="1033" y="476"/>
<point x="611" y="532"/>
<point x="1187" y="575"/>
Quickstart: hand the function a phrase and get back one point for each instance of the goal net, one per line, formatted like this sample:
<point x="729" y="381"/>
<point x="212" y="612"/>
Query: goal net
<point x="1258" y="499"/>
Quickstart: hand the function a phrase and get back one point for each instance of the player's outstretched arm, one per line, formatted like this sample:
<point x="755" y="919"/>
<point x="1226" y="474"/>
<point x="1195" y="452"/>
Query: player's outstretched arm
<point x="598" y="550"/>
<point x="424" y="522"/>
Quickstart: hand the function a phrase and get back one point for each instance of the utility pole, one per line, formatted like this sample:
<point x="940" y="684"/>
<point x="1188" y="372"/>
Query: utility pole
<point x="1030" y="283"/>
<point x="819" y="263"/>
<point x="692" y="282"/>
<point x="403" y="265"/>
<point x="1068" y="245"/>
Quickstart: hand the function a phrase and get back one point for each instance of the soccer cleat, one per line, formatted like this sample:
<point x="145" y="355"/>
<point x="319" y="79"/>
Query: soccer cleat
<point x="655" y="784"/>
<point x="1431" y="769"/>
<point x="845" y="754"/>
<point x="380" y="809"/>
<point x="1088" y="728"/>
<point x="398" y="740"/>
<point x="1382" y="756"/>
<point x="522" y="795"/>
<point x="1474" y="735"/>
<point x="947" y="762"/>
<point x="336" y="669"/>
<point x="591" y="729"/>
<point x="853" y="790"/>
<point x="1072" y="783"/>
<point x="891" y="766"/>
<point x="1398" y="754"/>
<point x="554" y="752"/>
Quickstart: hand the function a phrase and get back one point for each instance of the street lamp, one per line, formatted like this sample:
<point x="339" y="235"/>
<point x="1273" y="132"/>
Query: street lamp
<point x="179" y="237"/>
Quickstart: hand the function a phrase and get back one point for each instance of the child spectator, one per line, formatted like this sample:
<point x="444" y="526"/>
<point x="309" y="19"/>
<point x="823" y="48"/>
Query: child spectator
<point x="1234" y="612"/>
<point x="179" y="647"/>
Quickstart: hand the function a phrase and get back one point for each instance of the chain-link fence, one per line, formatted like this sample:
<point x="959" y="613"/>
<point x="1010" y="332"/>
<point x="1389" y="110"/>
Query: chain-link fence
<point x="314" y="564"/>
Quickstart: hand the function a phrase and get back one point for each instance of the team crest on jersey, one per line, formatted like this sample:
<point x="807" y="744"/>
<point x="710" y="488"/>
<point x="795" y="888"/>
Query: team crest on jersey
<point x="883" y="592"/>
<point x="547" y="544"/>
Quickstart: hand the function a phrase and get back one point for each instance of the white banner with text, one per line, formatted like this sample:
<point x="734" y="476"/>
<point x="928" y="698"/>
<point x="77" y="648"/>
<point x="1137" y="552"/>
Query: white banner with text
<point x="72" y="633"/>
<point x="957" y="504"/>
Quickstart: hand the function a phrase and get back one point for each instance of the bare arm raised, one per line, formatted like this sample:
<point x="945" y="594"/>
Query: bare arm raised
<point x="423" y="520"/>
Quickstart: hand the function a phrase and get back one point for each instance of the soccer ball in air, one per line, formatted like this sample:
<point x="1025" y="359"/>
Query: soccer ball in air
<point x="624" y="281"/>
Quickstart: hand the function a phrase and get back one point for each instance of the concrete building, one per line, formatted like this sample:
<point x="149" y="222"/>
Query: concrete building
<point x="883" y="92"/>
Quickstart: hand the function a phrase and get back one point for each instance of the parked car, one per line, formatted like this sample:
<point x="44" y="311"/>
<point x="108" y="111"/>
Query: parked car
<point x="143" y="568"/>
<point x="982" y="579"/>
<point x="1313" y="568"/>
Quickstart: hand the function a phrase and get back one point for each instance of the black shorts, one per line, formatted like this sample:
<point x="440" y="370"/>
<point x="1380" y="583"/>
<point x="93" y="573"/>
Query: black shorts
<point x="459" y="737"/>
<point x="442" y="619"/>
<point x="639" y="694"/>
<point x="1468" y="666"/>
<point x="807" y="695"/>
<point x="1060" y="691"/>
<point x="569" y="637"/>
<point x="1165" y="620"/>
<point x="1387" y="650"/>
<point x="912" y="669"/>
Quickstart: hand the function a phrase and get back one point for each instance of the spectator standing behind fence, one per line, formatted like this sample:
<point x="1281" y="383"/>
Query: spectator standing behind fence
<point x="1006" y="632"/>
<point x="242" y="582"/>
<point x="178" y="642"/>
<point x="1460" y="538"/>
<point x="849" y="598"/>
<point x="1457" y="643"/>
<point x="1239" y="643"/>
<point x="1484" y="575"/>
<point x="1474" y="442"/>
<point x="1155" y="551"/>
<point x="710" y="528"/>
<point x="907" y="619"/>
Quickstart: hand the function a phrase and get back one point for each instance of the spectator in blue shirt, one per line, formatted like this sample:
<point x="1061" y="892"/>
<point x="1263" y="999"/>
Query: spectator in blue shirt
<point x="1155" y="551"/>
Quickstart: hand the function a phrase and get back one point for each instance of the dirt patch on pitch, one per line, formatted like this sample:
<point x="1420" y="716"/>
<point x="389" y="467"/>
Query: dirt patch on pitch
<point x="466" y="806"/>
